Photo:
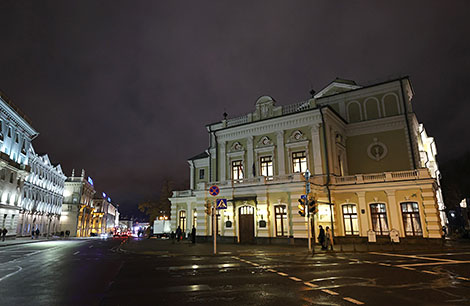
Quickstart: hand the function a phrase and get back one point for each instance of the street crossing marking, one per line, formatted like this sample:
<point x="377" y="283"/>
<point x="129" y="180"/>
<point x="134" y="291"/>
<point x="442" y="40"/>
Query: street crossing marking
<point x="411" y="256"/>
<point x="430" y="272"/>
<point x="454" y="262"/>
<point x="310" y="284"/>
<point x="295" y="279"/>
<point x="353" y="301"/>
<point x="385" y="264"/>
<point x="463" y="278"/>
<point x="330" y="292"/>
<point x="76" y="252"/>
<point x="282" y="274"/>
<point x="407" y="268"/>
<point x="271" y="270"/>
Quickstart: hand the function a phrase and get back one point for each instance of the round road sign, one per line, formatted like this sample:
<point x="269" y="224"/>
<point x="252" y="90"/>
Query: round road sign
<point x="214" y="190"/>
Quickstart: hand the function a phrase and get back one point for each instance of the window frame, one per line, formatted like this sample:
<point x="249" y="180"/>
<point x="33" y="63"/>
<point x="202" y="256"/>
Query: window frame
<point x="202" y="174"/>
<point x="182" y="220"/>
<point x="414" y="216"/>
<point x="282" y="217"/>
<point x="238" y="166"/>
<point x="266" y="163"/>
<point x="349" y="216"/>
<point x="380" y="215"/>
<point x="300" y="160"/>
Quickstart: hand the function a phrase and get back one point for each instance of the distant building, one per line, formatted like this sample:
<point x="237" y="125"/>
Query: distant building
<point x="105" y="215"/>
<point x="43" y="190"/>
<point x="16" y="134"/>
<point x="367" y="154"/>
<point x="77" y="206"/>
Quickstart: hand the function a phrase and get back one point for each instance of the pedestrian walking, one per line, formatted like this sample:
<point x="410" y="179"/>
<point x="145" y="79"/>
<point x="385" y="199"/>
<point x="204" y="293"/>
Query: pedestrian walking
<point x="37" y="233"/>
<point x="193" y="235"/>
<point x="321" y="237"/>
<point x="328" y="238"/>
<point x="178" y="234"/>
<point x="4" y="233"/>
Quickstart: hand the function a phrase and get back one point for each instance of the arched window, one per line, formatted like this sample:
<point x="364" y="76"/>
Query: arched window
<point x="378" y="215"/>
<point x="411" y="219"/>
<point x="350" y="219"/>
<point x="182" y="220"/>
<point x="354" y="112"/>
<point x="280" y="213"/>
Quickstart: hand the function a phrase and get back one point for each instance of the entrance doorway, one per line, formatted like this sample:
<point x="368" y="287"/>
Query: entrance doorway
<point x="247" y="224"/>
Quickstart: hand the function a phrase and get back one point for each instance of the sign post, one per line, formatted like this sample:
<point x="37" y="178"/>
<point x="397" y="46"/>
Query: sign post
<point x="309" y="224"/>
<point x="214" y="191"/>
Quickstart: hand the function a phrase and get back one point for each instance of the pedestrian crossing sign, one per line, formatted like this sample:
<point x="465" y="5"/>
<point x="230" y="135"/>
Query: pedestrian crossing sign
<point x="221" y="203"/>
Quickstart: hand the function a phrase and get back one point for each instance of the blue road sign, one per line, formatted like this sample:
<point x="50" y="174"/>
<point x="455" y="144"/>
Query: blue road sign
<point x="303" y="196"/>
<point x="214" y="190"/>
<point x="221" y="203"/>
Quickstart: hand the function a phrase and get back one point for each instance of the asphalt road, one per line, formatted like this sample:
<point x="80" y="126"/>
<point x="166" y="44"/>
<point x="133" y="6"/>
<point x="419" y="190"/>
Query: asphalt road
<point x="154" y="272"/>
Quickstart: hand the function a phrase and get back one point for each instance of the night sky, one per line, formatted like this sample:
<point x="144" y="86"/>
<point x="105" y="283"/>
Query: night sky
<point x="124" y="88"/>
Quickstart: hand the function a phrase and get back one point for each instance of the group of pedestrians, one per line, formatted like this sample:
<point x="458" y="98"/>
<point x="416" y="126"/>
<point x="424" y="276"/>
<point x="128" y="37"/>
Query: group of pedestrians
<point x="35" y="234"/>
<point x="179" y="235"/>
<point x="325" y="238"/>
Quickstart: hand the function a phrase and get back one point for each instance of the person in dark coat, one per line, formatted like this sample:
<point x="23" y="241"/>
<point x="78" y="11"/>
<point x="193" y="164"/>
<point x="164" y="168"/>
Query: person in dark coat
<point x="178" y="234"/>
<point x="321" y="237"/>
<point x="37" y="233"/>
<point x="193" y="235"/>
<point x="4" y="233"/>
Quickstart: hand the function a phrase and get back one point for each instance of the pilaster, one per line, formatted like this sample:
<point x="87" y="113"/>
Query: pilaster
<point x="249" y="162"/>
<point x="363" y="218"/>
<point x="316" y="150"/>
<point x="393" y="209"/>
<point x="281" y="161"/>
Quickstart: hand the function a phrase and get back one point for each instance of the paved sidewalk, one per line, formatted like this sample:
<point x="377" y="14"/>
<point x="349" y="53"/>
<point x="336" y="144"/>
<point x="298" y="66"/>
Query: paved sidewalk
<point x="172" y="248"/>
<point x="24" y="240"/>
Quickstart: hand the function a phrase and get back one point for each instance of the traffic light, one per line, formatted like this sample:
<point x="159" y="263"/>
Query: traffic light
<point x="302" y="207"/>
<point x="208" y="207"/>
<point x="312" y="206"/>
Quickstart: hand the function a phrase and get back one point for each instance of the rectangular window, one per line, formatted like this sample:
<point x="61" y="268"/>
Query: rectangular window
<point x="17" y="138"/>
<point x="281" y="220"/>
<point x="1" y="130"/>
<point x="266" y="166"/>
<point x="182" y="219"/>
<point x="350" y="220"/>
<point x="201" y="174"/>
<point x="23" y="148"/>
<point x="237" y="170"/>
<point x="411" y="219"/>
<point x="9" y="132"/>
<point x="379" y="218"/>
<point x="299" y="160"/>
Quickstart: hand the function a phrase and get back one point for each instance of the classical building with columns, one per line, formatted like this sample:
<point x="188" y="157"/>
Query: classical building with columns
<point x="373" y="169"/>
<point x="16" y="134"/>
<point x="105" y="215"/>
<point x="41" y="205"/>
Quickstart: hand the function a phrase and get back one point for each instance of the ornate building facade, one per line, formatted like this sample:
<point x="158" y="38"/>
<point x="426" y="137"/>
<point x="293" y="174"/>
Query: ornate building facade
<point x="43" y="190"/>
<point x="16" y="134"/>
<point x="105" y="215"/>
<point x="373" y="168"/>
<point x="77" y="206"/>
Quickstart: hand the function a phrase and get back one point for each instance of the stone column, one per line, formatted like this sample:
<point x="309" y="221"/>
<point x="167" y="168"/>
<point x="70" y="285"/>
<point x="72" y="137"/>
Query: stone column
<point x="316" y="150"/>
<point x="191" y="177"/>
<point x="249" y="162"/>
<point x="281" y="160"/>
<point x="222" y="162"/>
<point x="363" y="219"/>
<point x="394" y="212"/>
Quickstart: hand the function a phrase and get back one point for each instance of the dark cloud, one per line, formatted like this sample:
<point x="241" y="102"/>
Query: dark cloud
<point x="124" y="88"/>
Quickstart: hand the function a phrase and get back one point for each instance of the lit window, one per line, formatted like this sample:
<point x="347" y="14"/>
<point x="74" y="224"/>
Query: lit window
<point x="299" y="160"/>
<point x="201" y="174"/>
<point x="350" y="219"/>
<point x="411" y="219"/>
<point x="182" y="220"/>
<point x="379" y="218"/>
<point x="281" y="220"/>
<point x="266" y="166"/>
<point x="237" y="170"/>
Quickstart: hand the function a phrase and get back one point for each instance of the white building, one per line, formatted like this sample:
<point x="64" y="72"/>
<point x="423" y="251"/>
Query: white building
<point x="77" y="206"/>
<point x="16" y="134"/>
<point x="42" y="197"/>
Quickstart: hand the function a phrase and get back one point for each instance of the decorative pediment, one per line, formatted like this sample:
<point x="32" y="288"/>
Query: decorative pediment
<point x="264" y="142"/>
<point x="236" y="146"/>
<point x="297" y="136"/>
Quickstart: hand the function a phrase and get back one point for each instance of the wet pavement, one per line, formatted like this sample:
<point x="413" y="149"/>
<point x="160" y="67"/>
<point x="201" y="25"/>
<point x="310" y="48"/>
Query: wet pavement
<point x="156" y="272"/>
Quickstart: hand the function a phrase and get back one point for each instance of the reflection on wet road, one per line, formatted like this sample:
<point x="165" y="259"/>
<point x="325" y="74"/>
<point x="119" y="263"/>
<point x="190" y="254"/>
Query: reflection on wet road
<point x="107" y="272"/>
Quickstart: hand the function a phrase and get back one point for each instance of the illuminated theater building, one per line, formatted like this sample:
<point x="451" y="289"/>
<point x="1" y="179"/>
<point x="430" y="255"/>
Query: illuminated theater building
<point x="77" y="207"/>
<point x="367" y="153"/>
